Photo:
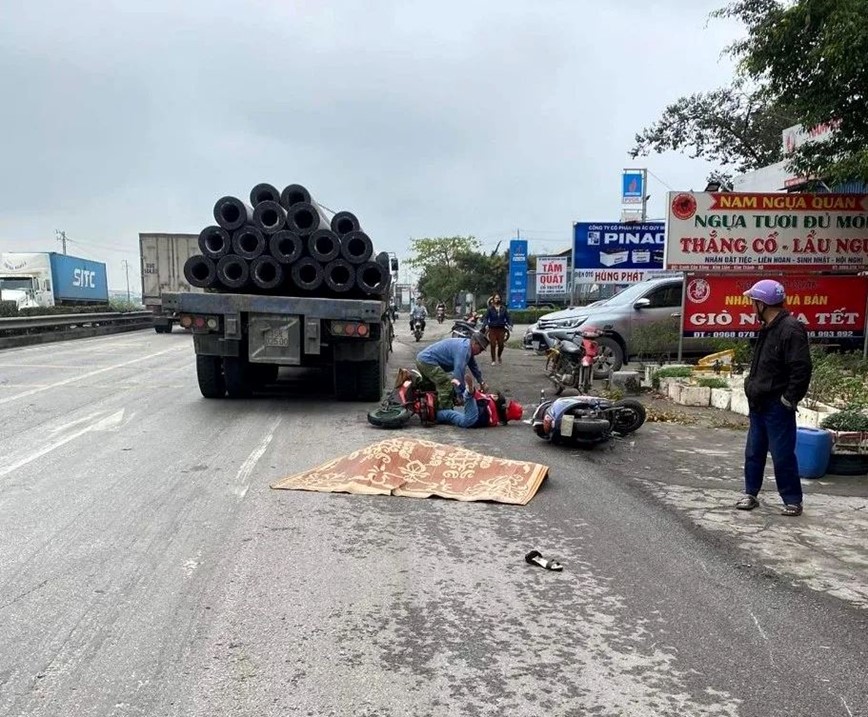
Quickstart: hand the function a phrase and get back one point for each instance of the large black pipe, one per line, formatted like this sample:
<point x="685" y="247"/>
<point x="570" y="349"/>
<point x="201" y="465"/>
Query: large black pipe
<point x="344" y="223"/>
<point x="248" y="242"/>
<point x="215" y="242"/>
<point x="340" y="276"/>
<point x="356" y="247"/>
<point x="294" y="194"/>
<point x="372" y="278"/>
<point x="233" y="271"/>
<point x="266" y="272"/>
<point x="324" y="245"/>
<point x="264" y="193"/>
<point x="305" y="218"/>
<point x="231" y="213"/>
<point x="286" y="246"/>
<point x="200" y="271"/>
<point x="307" y="274"/>
<point x="269" y="217"/>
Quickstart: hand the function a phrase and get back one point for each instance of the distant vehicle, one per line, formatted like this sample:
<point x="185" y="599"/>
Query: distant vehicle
<point x="45" y="279"/>
<point x="651" y="303"/>
<point x="163" y="257"/>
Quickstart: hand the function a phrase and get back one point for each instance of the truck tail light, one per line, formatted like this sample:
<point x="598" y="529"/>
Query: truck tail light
<point x="349" y="328"/>
<point x="199" y="322"/>
<point x="186" y="321"/>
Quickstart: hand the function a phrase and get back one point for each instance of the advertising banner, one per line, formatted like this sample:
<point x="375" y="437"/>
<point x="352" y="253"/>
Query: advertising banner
<point x="770" y="232"/>
<point x="618" y="246"/>
<point x="551" y="275"/>
<point x="615" y="276"/>
<point x="831" y="307"/>
<point x="518" y="274"/>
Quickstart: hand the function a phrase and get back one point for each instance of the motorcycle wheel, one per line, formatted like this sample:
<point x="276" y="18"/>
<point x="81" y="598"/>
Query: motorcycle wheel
<point x="389" y="417"/>
<point x="629" y="420"/>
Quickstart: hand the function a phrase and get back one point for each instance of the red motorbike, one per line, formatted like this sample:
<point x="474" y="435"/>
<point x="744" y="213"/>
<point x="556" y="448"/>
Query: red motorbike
<point x="571" y="365"/>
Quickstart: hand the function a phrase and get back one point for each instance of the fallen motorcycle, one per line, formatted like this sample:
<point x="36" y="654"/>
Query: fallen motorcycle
<point x="586" y="420"/>
<point x="571" y="365"/>
<point x="413" y="396"/>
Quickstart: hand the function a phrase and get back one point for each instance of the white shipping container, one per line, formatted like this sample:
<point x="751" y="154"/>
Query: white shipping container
<point x="163" y="258"/>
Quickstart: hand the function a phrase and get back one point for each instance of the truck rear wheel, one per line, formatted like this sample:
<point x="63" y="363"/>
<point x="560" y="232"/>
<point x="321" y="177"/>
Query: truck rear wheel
<point x="209" y="372"/>
<point x="369" y="380"/>
<point x="238" y="377"/>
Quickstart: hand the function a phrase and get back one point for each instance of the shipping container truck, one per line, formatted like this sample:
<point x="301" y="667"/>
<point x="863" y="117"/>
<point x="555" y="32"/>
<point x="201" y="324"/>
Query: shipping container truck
<point x="163" y="257"/>
<point x="45" y="279"/>
<point x="242" y="340"/>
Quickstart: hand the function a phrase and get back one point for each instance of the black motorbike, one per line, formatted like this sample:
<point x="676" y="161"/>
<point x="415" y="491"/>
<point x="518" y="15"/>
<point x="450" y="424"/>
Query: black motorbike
<point x="418" y="329"/>
<point x="586" y="420"/>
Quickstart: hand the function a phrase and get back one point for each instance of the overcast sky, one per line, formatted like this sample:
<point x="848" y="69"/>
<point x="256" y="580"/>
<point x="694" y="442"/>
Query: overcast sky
<point x="424" y="118"/>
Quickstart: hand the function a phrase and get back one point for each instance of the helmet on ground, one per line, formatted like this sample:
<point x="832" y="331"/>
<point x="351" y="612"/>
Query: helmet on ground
<point x="768" y="291"/>
<point x="480" y="338"/>
<point x="514" y="411"/>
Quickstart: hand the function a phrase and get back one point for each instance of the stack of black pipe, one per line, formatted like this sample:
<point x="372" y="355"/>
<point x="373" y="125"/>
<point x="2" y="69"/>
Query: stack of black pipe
<point x="282" y="243"/>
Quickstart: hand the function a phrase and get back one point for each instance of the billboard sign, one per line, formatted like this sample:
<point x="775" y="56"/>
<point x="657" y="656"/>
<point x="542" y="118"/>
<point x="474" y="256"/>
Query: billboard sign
<point x="518" y="274"/>
<point x="551" y="275"/>
<point x="615" y="276"/>
<point x="831" y="307"/>
<point x="619" y="246"/>
<point x="633" y="186"/>
<point x="770" y="232"/>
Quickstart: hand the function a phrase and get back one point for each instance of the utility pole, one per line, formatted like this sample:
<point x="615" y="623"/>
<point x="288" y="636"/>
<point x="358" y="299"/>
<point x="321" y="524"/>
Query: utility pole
<point x="127" y="270"/>
<point x="61" y="237"/>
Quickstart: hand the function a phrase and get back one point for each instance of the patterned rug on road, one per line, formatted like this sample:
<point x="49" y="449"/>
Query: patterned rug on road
<point x="422" y="469"/>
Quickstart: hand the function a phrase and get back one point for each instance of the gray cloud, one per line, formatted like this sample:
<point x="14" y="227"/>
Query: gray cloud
<point x="424" y="118"/>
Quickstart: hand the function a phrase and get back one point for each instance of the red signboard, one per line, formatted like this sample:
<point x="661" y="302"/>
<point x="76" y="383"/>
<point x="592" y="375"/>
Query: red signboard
<point x="797" y="233"/>
<point x="831" y="307"/>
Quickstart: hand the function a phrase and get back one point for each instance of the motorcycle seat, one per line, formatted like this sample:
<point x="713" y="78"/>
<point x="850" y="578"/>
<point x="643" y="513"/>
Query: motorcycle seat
<point x="568" y="347"/>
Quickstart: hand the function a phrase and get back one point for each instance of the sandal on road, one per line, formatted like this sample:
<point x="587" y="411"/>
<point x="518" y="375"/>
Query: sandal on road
<point x="749" y="502"/>
<point x="792" y="510"/>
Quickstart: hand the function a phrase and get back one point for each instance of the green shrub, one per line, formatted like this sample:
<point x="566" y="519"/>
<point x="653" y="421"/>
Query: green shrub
<point x="709" y="382"/>
<point x="8" y="308"/>
<point x="670" y="372"/>
<point x="50" y="310"/>
<point x="655" y="341"/>
<point x="850" y="419"/>
<point x="118" y="304"/>
<point x="527" y="316"/>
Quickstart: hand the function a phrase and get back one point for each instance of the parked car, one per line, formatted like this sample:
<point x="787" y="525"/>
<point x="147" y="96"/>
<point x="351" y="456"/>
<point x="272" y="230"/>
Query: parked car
<point x="649" y="304"/>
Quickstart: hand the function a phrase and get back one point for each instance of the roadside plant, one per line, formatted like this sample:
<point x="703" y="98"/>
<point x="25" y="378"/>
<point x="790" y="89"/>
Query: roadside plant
<point x="852" y="418"/>
<point x="709" y="382"/>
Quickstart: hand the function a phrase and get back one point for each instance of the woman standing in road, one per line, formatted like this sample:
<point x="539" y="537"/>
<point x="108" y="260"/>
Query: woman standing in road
<point x="498" y="322"/>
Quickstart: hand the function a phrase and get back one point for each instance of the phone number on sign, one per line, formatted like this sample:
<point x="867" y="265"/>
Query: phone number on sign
<point x="753" y="335"/>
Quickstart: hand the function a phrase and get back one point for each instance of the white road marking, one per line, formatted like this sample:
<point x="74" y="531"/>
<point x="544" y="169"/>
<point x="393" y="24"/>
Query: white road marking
<point x="105" y="423"/>
<point x="761" y="631"/>
<point x="96" y="372"/>
<point x="244" y="473"/>
<point x="846" y="706"/>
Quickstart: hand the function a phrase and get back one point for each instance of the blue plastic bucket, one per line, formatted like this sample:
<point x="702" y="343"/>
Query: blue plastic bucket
<point x="813" y="450"/>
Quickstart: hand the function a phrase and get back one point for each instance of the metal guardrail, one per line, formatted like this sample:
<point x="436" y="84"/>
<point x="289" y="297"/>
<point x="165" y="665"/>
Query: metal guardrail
<point x="50" y="321"/>
<point x="32" y="330"/>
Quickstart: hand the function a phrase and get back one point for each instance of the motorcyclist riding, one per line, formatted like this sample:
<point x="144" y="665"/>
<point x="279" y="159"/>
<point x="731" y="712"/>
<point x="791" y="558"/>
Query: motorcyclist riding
<point x="418" y="312"/>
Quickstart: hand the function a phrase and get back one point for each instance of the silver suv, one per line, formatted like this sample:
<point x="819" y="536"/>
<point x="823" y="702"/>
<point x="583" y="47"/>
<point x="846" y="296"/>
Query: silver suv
<point x="630" y="317"/>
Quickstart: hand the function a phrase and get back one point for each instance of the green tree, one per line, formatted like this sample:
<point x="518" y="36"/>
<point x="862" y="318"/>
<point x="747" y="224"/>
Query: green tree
<point x="734" y="127"/>
<point x="811" y="55"/>
<point x="439" y="251"/>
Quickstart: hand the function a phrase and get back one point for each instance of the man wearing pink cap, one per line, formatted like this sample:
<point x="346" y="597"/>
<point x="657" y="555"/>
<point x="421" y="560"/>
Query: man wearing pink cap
<point x="780" y="372"/>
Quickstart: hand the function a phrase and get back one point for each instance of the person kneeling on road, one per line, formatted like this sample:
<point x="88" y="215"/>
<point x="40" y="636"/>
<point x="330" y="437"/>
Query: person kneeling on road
<point x="445" y="363"/>
<point x="481" y="410"/>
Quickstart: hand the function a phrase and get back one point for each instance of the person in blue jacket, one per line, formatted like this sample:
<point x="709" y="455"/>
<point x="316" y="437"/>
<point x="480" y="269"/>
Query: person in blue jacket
<point x="497" y="321"/>
<point x="446" y="362"/>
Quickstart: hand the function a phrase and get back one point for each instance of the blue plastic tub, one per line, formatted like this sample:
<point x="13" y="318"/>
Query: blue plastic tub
<point x="813" y="450"/>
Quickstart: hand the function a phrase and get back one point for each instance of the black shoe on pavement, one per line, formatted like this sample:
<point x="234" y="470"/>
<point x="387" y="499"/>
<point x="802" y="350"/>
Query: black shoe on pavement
<point x="749" y="502"/>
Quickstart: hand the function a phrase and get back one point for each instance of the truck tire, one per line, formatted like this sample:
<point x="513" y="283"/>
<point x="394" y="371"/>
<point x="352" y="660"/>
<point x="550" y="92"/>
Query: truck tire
<point x="209" y="372"/>
<point x="345" y="381"/>
<point x="610" y="358"/>
<point x="369" y="380"/>
<point x="238" y="376"/>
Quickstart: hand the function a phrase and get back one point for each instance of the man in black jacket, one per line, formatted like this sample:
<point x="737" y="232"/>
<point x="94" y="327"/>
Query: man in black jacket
<point x="779" y="376"/>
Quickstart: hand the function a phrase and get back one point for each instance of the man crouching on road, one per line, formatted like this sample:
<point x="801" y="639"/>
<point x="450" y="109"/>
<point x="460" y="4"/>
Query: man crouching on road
<point x="445" y="363"/>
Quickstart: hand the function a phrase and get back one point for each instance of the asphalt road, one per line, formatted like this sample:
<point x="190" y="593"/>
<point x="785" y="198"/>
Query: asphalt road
<point x="146" y="568"/>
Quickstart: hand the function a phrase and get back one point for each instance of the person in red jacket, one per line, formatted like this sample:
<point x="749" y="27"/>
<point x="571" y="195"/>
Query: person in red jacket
<point x="481" y="410"/>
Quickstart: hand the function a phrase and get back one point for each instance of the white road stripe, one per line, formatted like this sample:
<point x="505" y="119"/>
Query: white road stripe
<point x="102" y="424"/>
<point x="244" y="473"/>
<point x="72" y="379"/>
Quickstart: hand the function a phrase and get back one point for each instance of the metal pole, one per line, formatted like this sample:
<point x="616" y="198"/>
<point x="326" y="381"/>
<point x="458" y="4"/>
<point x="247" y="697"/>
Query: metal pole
<point x="644" y="195"/>
<point x="61" y="237"/>
<point x="127" y="270"/>
<point x="681" y="318"/>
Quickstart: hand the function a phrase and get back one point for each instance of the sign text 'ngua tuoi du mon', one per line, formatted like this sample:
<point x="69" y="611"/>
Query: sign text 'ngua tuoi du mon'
<point x="776" y="232"/>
